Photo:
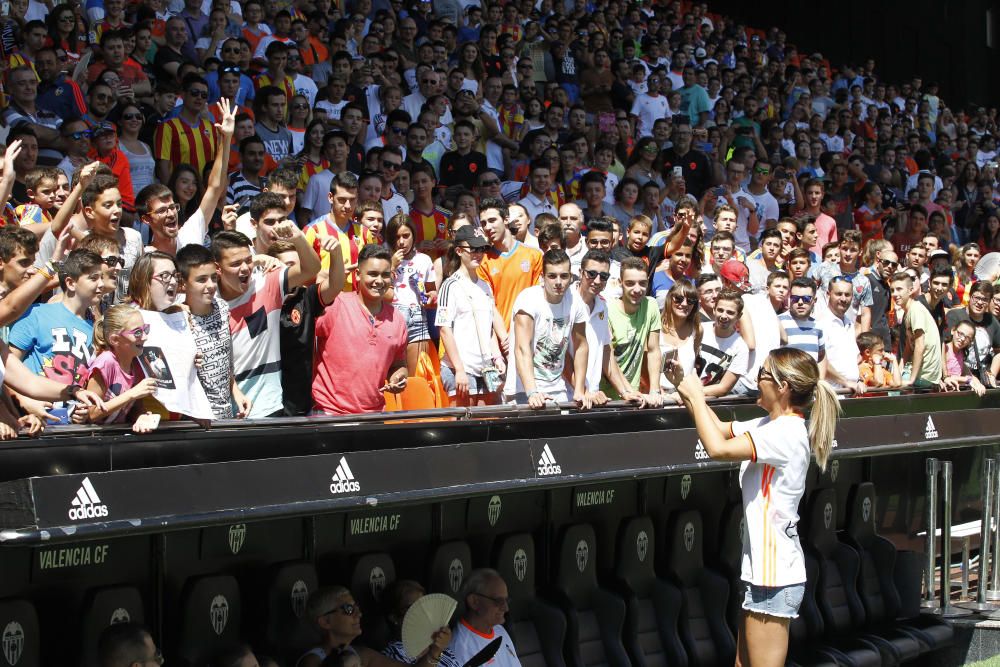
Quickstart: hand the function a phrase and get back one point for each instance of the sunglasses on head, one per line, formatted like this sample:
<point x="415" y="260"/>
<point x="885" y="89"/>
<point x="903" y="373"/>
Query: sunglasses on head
<point x="232" y="69"/>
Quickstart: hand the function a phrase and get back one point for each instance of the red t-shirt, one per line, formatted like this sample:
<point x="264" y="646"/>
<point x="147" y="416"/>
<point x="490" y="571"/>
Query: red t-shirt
<point x="354" y="352"/>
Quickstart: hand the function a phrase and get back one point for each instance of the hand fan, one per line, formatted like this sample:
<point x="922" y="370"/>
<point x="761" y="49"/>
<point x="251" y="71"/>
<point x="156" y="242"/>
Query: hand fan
<point x="425" y="617"/>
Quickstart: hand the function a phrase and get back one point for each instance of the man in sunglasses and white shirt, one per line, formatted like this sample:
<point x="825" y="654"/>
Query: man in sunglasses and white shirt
<point x="800" y="330"/>
<point x="486" y="604"/>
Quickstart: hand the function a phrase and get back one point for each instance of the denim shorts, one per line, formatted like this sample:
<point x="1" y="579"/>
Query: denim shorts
<point x="780" y="601"/>
<point x="476" y="384"/>
<point x="416" y="322"/>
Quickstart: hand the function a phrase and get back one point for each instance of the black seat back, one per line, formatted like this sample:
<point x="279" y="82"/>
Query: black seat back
<point x="730" y="560"/>
<point x="287" y="630"/>
<point x="652" y="605"/>
<point x="20" y="640"/>
<point x="104" y="607"/>
<point x="594" y="617"/>
<point x="369" y="577"/>
<point x="537" y="628"/>
<point x="449" y="565"/>
<point x="876" y="584"/>
<point x="209" y="618"/>
<point x="838" y="564"/>
<point x="703" y="629"/>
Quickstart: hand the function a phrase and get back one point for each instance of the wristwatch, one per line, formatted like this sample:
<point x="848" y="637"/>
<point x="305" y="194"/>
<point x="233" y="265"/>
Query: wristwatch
<point x="72" y="389"/>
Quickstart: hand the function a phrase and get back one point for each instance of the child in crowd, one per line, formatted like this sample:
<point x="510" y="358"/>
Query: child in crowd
<point x="413" y="285"/>
<point x="371" y="219"/>
<point x="115" y="373"/>
<point x="42" y="184"/>
<point x="640" y="228"/>
<point x="878" y="369"/>
<point x="956" y="370"/>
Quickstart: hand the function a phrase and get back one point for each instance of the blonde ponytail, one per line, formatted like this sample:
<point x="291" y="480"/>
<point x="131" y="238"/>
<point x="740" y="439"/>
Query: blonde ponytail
<point x="823" y="422"/>
<point x="801" y="372"/>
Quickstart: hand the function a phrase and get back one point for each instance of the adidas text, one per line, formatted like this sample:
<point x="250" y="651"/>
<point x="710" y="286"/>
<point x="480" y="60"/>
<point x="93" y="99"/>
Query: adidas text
<point x="87" y="504"/>
<point x="343" y="479"/>
<point x="547" y="463"/>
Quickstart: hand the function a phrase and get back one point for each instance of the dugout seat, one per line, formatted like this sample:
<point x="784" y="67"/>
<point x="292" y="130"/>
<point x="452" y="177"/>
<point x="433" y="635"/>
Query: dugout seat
<point x="877" y="583"/>
<point x="209" y="618"/>
<point x="837" y="566"/>
<point x="594" y="616"/>
<point x="450" y="563"/>
<point x="369" y="577"/>
<point x="537" y="628"/>
<point x="652" y="605"/>
<point x="287" y="632"/>
<point x="103" y="607"/>
<point x="704" y="594"/>
<point x="20" y="641"/>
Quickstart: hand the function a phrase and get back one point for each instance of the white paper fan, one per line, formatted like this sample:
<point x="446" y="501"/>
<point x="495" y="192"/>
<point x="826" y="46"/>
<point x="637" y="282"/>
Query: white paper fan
<point x="988" y="266"/>
<point x="425" y="617"/>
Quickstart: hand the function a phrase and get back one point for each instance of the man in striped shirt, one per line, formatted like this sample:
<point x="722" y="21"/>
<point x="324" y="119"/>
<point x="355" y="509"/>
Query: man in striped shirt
<point x="798" y="327"/>
<point x="189" y="138"/>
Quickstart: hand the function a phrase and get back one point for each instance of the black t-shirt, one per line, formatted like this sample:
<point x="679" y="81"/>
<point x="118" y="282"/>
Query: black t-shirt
<point x="695" y="166"/>
<point x="165" y="56"/>
<point x="620" y="93"/>
<point x="938" y="312"/>
<point x="987" y="339"/>
<point x="880" y="308"/>
<point x="298" y="331"/>
<point x="462" y="169"/>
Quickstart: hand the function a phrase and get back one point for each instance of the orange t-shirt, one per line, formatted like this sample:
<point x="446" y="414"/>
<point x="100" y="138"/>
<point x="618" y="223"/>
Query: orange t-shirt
<point x="511" y="273"/>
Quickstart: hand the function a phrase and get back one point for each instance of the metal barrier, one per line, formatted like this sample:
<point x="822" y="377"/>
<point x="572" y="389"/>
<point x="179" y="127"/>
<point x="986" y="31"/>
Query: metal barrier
<point x="987" y="483"/>
<point x="933" y="468"/>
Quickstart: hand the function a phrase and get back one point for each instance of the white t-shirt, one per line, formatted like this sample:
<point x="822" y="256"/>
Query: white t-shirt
<point x="718" y="355"/>
<point x="396" y="203"/>
<point x="767" y="207"/>
<point x="316" y="197"/>
<point x="647" y="110"/>
<point x="553" y="329"/>
<point x="465" y="305"/>
<point x="766" y="334"/>
<point x="410" y="280"/>
<point x="467" y="642"/>
<point x="773" y="482"/>
<point x="841" y="345"/>
<point x="598" y="336"/>
<point x="332" y="110"/>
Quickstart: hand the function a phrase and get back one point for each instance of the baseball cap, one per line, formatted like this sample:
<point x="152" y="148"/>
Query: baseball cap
<point x="939" y="253"/>
<point x="737" y="273"/>
<point x="700" y="53"/>
<point x="103" y="127"/>
<point x="472" y="236"/>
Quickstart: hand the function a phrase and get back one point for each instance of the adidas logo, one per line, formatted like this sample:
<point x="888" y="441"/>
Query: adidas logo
<point x="930" y="431"/>
<point x="343" y="479"/>
<point x="87" y="504"/>
<point x="699" y="452"/>
<point x="547" y="464"/>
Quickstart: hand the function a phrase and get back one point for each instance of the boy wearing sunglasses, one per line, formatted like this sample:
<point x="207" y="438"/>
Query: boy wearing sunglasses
<point x="798" y="327"/>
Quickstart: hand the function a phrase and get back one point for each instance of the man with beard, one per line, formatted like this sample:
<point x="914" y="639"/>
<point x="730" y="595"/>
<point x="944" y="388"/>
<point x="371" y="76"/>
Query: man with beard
<point x="189" y="138"/>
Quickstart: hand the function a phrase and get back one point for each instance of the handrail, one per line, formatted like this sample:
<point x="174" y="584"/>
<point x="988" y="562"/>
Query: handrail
<point x="443" y="414"/>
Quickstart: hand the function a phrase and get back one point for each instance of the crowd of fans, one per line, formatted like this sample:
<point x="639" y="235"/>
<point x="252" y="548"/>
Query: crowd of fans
<point x="514" y="202"/>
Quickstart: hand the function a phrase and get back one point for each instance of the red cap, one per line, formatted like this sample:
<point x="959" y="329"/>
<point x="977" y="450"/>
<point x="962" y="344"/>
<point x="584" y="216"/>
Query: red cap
<point x="737" y="273"/>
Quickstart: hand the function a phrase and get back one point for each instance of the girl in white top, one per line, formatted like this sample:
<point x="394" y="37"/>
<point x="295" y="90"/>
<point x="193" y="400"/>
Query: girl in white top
<point x="681" y="329"/>
<point x="413" y="285"/>
<point x="465" y="315"/>
<point x="775" y="451"/>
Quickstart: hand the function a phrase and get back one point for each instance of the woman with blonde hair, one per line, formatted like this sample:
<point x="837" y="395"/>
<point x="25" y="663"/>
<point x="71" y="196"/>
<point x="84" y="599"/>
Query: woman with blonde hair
<point x="775" y="451"/>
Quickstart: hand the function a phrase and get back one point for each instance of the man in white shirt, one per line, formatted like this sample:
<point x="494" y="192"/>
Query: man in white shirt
<point x="392" y="201"/>
<point x="766" y="205"/>
<point x="546" y="318"/>
<point x="486" y="605"/>
<point x="427" y="86"/>
<point x="763" y="308"/>
<point x="838" y="328"/>
<point x="649" y="106"/>
<point x="537" y="200"/>
<point x="571" y="217"/>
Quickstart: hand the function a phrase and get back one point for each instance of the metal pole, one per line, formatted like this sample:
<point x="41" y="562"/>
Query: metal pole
<point x="929" y="601"/>
<point x="986" y="539"/>
<point x="947" y="610"/>
<point x="993" y="591"/>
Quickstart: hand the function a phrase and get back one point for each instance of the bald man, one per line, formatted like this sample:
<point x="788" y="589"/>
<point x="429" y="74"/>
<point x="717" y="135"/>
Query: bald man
<point x="571" y="218"/>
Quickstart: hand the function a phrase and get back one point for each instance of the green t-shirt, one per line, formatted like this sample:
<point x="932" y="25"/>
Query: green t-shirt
<point x="918" y="318"/>
<point x="629" y="334"/>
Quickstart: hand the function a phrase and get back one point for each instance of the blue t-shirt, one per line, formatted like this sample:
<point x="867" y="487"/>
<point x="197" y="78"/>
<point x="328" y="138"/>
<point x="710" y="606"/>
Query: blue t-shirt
<point x="57" y="344"/>
<point x="662" y="282"/>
